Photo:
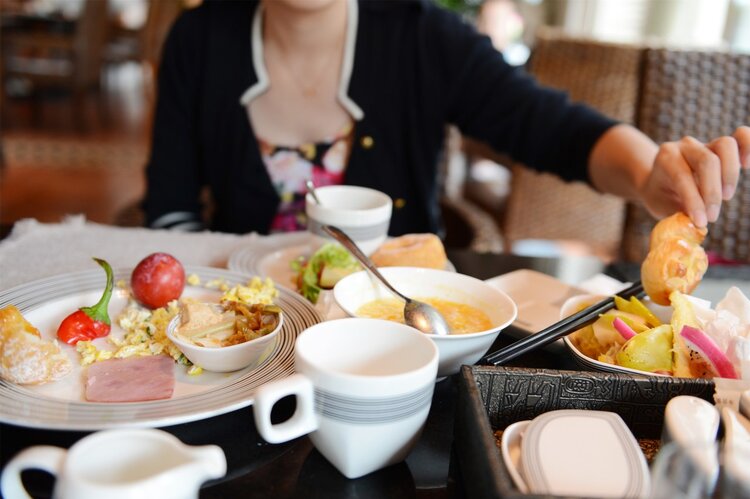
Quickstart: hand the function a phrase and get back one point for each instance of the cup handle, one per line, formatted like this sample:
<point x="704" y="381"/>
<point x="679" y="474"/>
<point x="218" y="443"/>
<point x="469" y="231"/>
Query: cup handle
<point x="41" y="457"/>
<point x="303" y="420"/>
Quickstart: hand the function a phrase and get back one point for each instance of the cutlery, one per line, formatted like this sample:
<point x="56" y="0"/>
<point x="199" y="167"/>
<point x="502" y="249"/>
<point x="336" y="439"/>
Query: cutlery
<point x="559" y="329"/>
<point x="311" y="190"/>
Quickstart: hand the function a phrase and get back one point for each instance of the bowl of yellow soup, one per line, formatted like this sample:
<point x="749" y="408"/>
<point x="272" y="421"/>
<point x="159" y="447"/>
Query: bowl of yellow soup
<point x="475" y="311"/>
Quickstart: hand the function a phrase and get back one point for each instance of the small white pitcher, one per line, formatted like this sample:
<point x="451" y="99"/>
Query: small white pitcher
<point x="117" y="464"/>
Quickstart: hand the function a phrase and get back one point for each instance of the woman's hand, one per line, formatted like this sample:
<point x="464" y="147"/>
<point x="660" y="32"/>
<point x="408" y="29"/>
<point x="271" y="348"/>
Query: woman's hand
<point x="693" y="177"/>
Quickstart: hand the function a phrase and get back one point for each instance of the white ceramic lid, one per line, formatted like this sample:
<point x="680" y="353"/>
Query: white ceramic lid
<point x="583" y="453"/>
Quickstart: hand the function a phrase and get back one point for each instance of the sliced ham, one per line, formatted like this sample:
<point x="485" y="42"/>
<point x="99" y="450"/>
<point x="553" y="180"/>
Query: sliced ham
<point x="135" y="379"/>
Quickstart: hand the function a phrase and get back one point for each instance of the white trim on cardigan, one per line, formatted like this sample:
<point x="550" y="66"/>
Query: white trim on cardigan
<point x="347" y="64"/>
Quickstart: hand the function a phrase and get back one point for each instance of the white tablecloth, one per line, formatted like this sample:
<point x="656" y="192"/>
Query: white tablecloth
<point x="34" y="250"/>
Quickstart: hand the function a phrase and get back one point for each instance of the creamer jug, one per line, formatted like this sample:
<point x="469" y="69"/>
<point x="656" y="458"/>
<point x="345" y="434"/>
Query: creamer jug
<point x="118" y="464"/>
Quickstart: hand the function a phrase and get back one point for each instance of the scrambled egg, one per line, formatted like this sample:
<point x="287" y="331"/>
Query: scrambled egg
<point x="146" y="330"/>
<point x="256" y="291"/>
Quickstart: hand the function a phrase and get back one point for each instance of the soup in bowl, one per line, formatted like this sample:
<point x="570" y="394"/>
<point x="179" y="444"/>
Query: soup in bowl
<point x="475" y="311"/>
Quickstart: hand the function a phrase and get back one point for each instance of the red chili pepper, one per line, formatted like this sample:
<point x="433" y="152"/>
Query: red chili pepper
<point x="88" y="323"/>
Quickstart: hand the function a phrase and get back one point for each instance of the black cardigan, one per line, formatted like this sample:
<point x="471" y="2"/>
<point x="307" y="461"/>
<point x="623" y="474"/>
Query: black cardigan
<point x="416" y="68"/>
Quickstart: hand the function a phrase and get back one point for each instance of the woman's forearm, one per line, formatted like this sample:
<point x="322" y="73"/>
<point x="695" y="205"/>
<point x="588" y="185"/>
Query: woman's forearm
<point x="621" y="160"/>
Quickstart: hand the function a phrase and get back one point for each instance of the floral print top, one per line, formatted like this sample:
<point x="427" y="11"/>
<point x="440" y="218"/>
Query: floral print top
<point x="290" y="167"/>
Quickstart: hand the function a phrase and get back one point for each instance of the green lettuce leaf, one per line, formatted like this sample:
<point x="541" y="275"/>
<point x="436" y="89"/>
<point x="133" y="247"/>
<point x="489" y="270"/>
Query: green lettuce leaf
<point x="330" y="254"/>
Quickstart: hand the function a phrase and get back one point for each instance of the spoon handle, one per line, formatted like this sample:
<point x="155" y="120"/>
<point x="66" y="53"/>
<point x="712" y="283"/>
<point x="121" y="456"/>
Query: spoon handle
<point x="347" y="242"/>
<point x="311" y="190"/>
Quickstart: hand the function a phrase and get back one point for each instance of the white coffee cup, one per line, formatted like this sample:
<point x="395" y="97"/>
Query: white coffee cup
<point x="363" y="214"/>
<point x="364" y="389"/>
<point x="119" y="464"/>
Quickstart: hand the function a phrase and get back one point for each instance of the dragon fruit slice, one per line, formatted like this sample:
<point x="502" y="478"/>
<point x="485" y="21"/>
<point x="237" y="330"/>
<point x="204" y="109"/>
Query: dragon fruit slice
<point x="706" y="359"/>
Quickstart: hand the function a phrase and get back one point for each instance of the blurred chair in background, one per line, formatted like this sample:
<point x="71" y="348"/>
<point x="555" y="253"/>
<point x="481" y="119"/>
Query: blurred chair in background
<point x="465" y="224"/>
<point x="474" y="188"/>
<point x="702" y="94"/>
<point x="541" y="206"/>
<point x="58" y="55"/>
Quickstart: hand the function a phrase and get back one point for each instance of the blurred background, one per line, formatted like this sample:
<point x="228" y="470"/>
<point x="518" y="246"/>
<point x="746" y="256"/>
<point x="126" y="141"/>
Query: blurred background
<point x="78" y="93"/>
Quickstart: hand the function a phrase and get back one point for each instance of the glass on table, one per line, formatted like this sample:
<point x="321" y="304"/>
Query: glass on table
<point x="700" y="471"/>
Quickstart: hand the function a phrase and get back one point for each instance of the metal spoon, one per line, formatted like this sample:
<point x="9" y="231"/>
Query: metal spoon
<point x="417" y="314"/>
<point x="311" y="190"/>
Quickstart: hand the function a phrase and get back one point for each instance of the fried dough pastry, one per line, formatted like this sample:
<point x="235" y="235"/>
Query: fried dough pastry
<point x="675" y="261"/>
<point x="411" y="250"/>
<point x="26" y="358"/>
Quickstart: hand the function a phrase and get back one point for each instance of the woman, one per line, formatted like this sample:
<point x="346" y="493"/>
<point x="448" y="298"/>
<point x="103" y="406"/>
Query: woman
<point x="255" y="97"/>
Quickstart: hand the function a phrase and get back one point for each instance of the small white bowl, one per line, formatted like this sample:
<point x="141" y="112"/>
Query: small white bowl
<point x="363" y="214"/>
<point x="226" y="359"/>
<point x="359" y="288"/>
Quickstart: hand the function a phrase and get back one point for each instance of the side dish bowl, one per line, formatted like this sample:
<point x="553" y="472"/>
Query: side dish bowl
<point x="227" y="358"/>
<point x="456" y="350"/>
<point x="576" y="303"/>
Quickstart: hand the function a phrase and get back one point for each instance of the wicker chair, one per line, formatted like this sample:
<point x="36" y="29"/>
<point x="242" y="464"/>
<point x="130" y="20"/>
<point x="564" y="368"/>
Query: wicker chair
<point x="705" y="95"/>
<point x="605" y="76"/>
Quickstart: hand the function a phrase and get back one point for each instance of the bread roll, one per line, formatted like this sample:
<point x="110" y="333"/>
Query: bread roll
<point x="411" y="250"/>
<point x="675" y="261"/>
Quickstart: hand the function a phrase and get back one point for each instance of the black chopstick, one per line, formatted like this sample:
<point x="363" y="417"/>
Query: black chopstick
<point x="558" y="329"/>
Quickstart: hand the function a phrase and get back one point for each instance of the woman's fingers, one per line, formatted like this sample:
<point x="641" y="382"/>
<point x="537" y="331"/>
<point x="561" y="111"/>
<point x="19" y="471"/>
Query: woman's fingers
<point x="706" y="170"/>
<point x="679" y="177"/>
<point x="727" y="150"/>
<point x="742" y="136"/>
<point x="699" y="175"/>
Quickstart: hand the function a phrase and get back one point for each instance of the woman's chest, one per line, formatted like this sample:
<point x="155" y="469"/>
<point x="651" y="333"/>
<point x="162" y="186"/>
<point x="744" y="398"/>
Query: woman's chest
<point x="286" y="115"/>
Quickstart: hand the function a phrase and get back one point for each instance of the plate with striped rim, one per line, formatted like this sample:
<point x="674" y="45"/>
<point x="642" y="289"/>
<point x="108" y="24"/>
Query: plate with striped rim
<point x="272" y="256"/>
<point x="60" y="404"/>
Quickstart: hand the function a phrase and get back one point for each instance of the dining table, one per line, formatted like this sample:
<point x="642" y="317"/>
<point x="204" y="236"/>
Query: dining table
<point x="34" y="251"/>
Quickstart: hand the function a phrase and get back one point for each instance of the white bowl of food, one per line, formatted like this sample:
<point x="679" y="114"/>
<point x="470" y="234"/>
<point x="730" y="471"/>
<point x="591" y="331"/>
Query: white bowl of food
<point x="476" y="311"/>
<point x="644" y="341"/>
<point x="224" y="340"/>
<point x="591" y="345"/>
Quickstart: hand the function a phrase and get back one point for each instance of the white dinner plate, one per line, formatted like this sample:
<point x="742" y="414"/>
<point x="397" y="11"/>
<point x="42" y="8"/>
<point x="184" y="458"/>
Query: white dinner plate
<point x="273" y="255"/>
<point x="61" y="405"/>
<point x="538" y="297"/>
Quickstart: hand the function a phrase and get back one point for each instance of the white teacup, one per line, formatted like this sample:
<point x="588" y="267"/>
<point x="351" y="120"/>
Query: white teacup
<point x="364" y="389"/>
<point x="363" y="214"/>
<point x="119" y="464"/>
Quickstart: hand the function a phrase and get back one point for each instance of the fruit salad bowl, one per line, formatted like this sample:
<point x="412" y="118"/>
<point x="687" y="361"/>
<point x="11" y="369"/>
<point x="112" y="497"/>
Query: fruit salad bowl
<point x="638" y="337"/>
<point x="576" y="303"/>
